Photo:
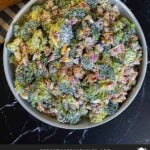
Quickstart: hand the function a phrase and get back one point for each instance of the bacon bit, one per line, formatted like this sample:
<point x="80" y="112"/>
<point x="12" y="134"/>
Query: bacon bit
<point x="107" y="16"/>
<point x="55" y="35"/>
<point x="47" y="51"/>
<point x="50" y="3"/>
<point x="108" y="38"/>
<point x="78" y="72"/>
<point x="113" y="16"/>
<point x="85" y="32"/>
<point x="100" y="11"/>
<point x="134" y="37"/>
<point x="46" y="15"/>
<point x="120" y="49"/>
<point x="91" y="78"/>
<point x="84" y="5"/>
<point x="128" y="71"/>
<point x="24" y="49"/>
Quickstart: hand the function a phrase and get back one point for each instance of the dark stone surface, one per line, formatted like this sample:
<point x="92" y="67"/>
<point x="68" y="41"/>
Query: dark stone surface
<point x="131" y="127"/>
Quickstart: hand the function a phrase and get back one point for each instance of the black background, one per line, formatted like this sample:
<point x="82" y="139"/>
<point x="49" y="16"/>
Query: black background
<point x="131" y="127"/>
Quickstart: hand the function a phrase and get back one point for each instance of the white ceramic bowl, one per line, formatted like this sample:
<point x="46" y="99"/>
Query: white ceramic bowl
<point x="84" y="123"/>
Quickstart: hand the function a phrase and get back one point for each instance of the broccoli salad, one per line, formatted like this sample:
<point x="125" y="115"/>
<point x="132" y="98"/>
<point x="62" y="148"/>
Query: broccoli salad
<point x="75" y="59"/>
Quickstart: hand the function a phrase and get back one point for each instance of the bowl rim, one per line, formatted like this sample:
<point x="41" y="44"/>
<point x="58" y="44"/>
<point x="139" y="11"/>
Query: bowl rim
<point x="75" y="127"/>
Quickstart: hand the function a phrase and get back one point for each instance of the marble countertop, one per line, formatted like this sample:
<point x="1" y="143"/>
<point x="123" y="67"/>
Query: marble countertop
<point x="131" y="127"/>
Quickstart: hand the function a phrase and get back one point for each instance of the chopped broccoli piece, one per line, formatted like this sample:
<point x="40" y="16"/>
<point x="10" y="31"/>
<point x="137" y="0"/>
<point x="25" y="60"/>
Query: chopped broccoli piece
<point x="111" y="108"/>
<point x="130" y="56"/>
<point x="118" y="26"/>
<point x="37" y="42"/>
<point x="66" y="88"/>
<point x="69" y="111"/>
<point x="68" y="117"/>
<point x="25" y="74"/>
<point x="54" y="38"/>
<point x="129" y="31"/>
<point x="40" y="94"/>
<point x="77" y="13"/>
<point x="64" y="3"/>
<point x="96" y="118"/>
<point x="87" y="63"/>
<point x="14" y="46"/>
<point x="95" y="32"/>
<point x="26" y="31"/>
<point x="40" y="73"/>
<point x="36" y="11"/>
<point x="70" y="103"/>
<point x="106" y="72"/>
<point x="125" y="21"/>
<point x="92" y="3"/>
<point x="91" y="93"/>
<point x="66" y="34"/>
<point x="118" y="38"/>
<point x="12" y="59"/>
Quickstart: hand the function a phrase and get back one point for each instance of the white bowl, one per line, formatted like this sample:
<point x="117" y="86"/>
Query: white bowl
<point x="84" y="123"/>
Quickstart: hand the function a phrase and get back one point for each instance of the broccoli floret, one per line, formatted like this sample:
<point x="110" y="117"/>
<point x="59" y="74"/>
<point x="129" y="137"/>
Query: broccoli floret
<point x="66" y="88"/>
<point x="91" y="93"/>
<point x="106" y="72"/>
<point x="130" y="56"/>
<point x="46" y="25"/>
<point x="117" y="68"/>
<point x="77" y="13"/>
<point x="36" y="11"/>
<point x="95" y="32"/>
<point x="40" y="94"/>
<point x="37" y="42"/>
<point x="69" y="111"/>
<point x="111" y="108"/>
<point x="25" y="74"/>
<point x="66" y="34"/>
<point x="92" y="3"/>
<point x="70" y="118"/>
<point x="26" y="31"/>
<point x="14" y="46"/>
<point x="70" y="103"/>
<point x="96" y="118"/>
<point x="129" y="31"/>
<point x="125" y="21"/>
<point x="118" y="38"/>
<point x="61" y="3"/>
<point x="42" y="72"/>
<point x="87" y="63"/>
<point x="12" y="59"/>
<point x="64" y="3"/>
<point x="118" y="26"/>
